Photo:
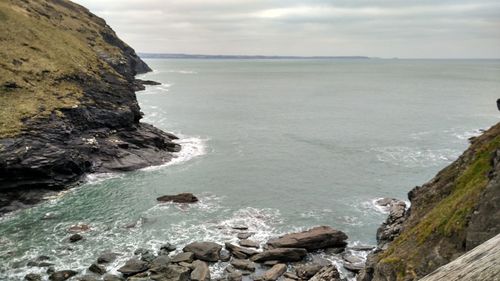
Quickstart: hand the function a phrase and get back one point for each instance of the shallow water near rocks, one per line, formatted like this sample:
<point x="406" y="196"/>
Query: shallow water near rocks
<point x="274" y="145"/>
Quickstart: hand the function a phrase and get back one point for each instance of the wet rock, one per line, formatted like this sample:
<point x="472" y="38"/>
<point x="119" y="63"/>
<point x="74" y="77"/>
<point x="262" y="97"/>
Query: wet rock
<point x="392" y="226"/>
<point x="33" y="277"/>
<point x="225" y="255"/>
<point x="235" y="276"/>
<point x="75" y="238"/>
<point x="98" y="269"/>
<point x="62" y="275"/>
<point x="334" y="251"/>
<point x="179" y="198"/>
<point x="362" y="248"/>
<point x="354" y="267"/>
<point x="78" y="228"/>
<point x="106" y="257"/>
<point x="111" y="277"/>
<point x="240" y="227"/>
<point x="249" y="243"/>
<point x="280" y="254"/>
<point x="133" y="266"/>
<point x="200" y="272"/>
<point x="240" y="252"/>
<point x="42" y="258"/>
<point x="315" y="238"/>
<point x="50" y="270"/>
<point x="327" y="273"/>
<point x="352" y="258"/>
<point x="270" y="263"/>
<point x="165" y="249"/>
<point x="244" y="235"/>
<point x="308" y="270"/>
<point x="205" y="251"/>
<point x="290" y="275"/>
<point x="171" y="272"/>
<point x="243" y="264"/>
<point x="274" y="273"/>
<point x="160" y="261"/>
<point x="183" y="257"/>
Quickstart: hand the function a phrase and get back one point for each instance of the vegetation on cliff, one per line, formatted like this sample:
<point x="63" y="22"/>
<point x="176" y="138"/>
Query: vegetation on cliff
<point x="445" y="218"/>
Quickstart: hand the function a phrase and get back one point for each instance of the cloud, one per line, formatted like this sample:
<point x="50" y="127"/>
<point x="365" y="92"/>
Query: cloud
<point x="385" y="28"/>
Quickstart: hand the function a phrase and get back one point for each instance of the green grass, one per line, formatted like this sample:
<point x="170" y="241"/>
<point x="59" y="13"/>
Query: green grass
<point x="52" y="42"/>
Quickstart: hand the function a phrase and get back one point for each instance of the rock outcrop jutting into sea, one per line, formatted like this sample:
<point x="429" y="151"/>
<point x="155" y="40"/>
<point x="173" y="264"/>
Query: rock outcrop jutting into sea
<point x="67" y="101"/>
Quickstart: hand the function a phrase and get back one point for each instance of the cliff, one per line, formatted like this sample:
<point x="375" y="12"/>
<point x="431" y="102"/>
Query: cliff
<point x="67" y="101"/>
<point x="456" y="211"/>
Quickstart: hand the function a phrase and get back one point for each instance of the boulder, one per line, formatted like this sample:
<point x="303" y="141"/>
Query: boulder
<point x="62" y="275"/>
<point x="234" y="276"/>
<point x="165" y="249"/>
<point x="244" y="235"/>
<point x="200" y="271"/>
<point x="327" y="273"/>
<point x="183" y="257"/>
<point x="179" y="198"/>
<point x="280" y="254"/>
<point x="249" y="243"/>
<point x="75" y="238"/>
<point x="313" y="239"/>
<point x="170" y="272"/>
<point x="106" y="257"/>
<point x="205" y="251"/>
<point x="98" y="269"/>
<point x="225" y="255"/>
<point x="160" y="261"/>
<point x="274" y="273"/>
<point x="33" y="277"/>
<point x="243" y="264"/>
<point x="307" y="271"/>
<point x="133" y="267"/>
<point x="240" y="252"/>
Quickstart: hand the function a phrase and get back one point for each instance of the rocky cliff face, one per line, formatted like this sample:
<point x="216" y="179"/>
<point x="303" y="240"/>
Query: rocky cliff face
<point x="67" y="101"/>
<point x="453" y="213"/>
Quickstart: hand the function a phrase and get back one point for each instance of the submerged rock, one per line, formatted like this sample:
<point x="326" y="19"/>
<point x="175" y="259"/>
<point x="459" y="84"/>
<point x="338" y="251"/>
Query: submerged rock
<point x="75" y="238"/>
<point x="313" y="239"/>
<point x="98" y="269"/>
<point x="62" y="275"/>
<point x="33" y="277"/>
<point x="106" y="257"/>
<point x="205" y="251"/>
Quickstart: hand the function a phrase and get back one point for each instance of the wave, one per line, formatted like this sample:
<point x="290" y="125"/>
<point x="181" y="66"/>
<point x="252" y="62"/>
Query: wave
<point x="415" y="157"/>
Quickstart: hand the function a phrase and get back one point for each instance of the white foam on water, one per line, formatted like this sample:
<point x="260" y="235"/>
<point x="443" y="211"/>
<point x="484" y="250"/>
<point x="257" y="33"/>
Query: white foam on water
<point x="182" y="71"/>
<point x="372" y="205"/>
<point x="191" y="147"/>
<point x="415" y="157"/>
<point x="465" y="135"/>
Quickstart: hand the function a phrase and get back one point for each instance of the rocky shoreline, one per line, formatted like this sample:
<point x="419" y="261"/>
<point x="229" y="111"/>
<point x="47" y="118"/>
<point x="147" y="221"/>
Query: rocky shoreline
<point x="86" y="118"/>
<point x="291" y="257"/>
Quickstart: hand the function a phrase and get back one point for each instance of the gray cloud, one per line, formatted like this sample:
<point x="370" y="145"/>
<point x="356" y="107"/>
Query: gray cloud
<point x="384" y="28"/>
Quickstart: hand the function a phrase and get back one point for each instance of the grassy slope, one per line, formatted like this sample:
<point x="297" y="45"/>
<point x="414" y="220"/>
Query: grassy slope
<point x="41" y="45"/>
<point x="436" y="228"/>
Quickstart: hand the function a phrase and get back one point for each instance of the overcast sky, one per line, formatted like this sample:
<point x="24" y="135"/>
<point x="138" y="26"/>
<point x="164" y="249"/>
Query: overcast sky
<point x="384" y="28"/>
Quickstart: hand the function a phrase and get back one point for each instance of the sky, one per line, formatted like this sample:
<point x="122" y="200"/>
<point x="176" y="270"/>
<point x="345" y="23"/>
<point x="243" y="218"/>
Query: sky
<point x="377" y="28"/>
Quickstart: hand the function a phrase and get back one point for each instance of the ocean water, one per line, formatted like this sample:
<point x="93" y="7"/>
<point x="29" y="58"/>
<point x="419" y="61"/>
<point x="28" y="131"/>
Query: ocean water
<point x="275" y="145"/>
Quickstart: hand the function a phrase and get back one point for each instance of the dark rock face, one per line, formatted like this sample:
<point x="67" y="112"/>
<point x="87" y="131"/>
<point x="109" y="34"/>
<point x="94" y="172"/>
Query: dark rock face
<point x="101" y="133"/>
<point x="316" y="238"/>
<point x="205" y="251"/>
<point x="391" y="228"/>
<point x="62" y="275"/>
<point x="179" y="198"/>
<point x="133" y="266"/>
<point x="281" y="254"/>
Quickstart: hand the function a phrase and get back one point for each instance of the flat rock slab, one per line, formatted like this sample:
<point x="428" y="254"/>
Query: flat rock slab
<point x="249" y="243"/>
<point x="133" y="266"/>
<point x="280" y="254"/>
<point x="313" y="239"/>
<point x="205" y="251"/>
<point x="179" y="198"/>
<point x="243" y="264"/>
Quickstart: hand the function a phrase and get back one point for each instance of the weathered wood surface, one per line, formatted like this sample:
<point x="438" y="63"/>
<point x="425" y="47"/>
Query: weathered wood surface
<point x="479" y="264"/>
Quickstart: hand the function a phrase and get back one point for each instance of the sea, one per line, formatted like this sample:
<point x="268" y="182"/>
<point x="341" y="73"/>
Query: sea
<point x="275" y="145"/>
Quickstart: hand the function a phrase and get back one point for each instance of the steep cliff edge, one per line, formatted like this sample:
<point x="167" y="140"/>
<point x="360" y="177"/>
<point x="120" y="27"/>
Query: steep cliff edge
<point x="456" y="211"/>
<point x="67" y="101"/>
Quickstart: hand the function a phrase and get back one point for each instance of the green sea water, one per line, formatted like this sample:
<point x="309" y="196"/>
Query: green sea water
<point x="275" y="145"/>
